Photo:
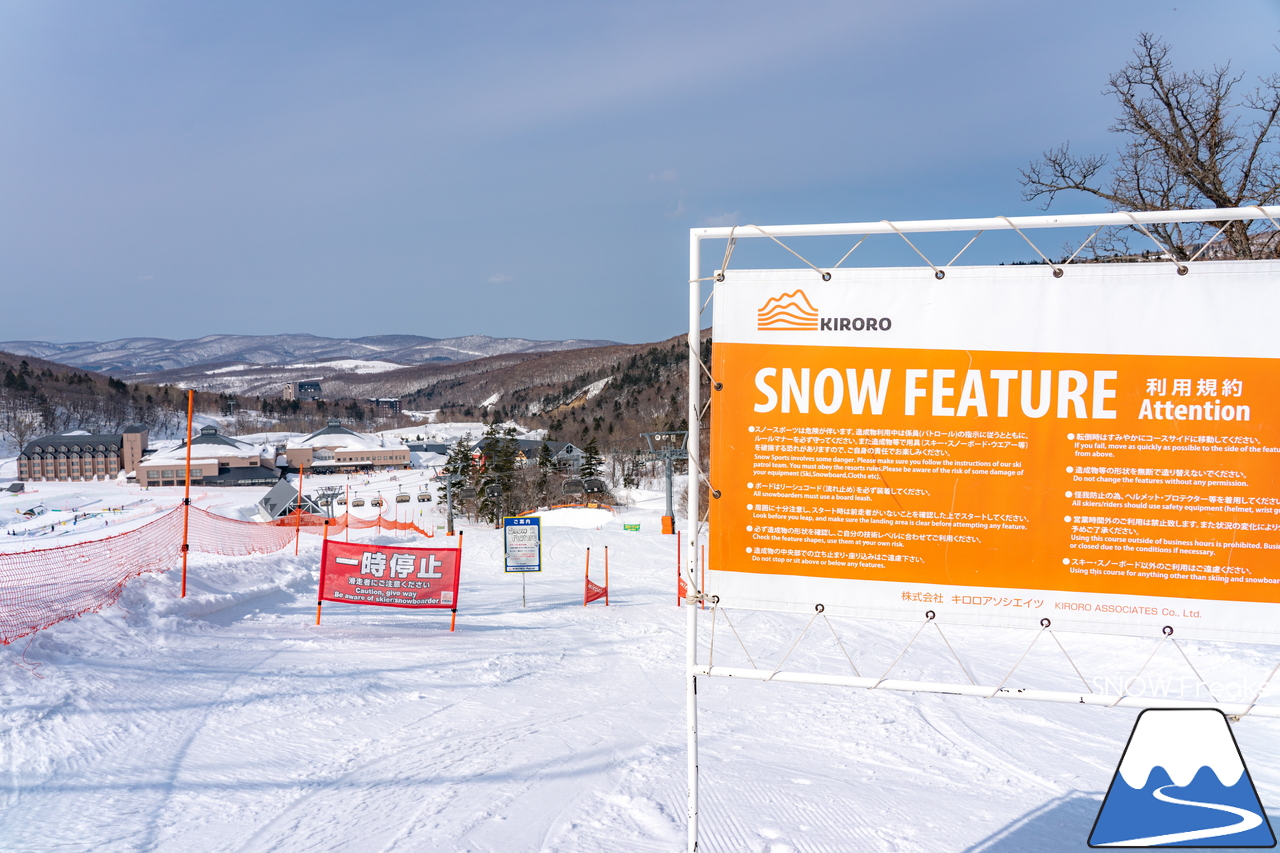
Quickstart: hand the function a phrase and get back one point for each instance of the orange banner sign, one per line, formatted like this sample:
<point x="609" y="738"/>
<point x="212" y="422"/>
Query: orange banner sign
<point x="1070" y="463"/>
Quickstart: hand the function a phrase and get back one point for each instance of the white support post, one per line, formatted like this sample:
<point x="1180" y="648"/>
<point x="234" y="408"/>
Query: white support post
<point x="690" y="561"/>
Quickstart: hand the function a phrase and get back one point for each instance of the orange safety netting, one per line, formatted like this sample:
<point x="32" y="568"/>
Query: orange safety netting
<point x="41" y="588"/>
<point x="310" y="523"/>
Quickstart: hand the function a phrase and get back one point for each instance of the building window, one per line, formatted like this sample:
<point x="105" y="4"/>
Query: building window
<point x="195" y="472"/>
<point x="153" y="475"/>
<point x="167" y="473"/>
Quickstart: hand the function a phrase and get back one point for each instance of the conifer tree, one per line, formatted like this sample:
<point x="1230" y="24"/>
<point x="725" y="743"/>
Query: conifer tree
<point x="590" y="459"/>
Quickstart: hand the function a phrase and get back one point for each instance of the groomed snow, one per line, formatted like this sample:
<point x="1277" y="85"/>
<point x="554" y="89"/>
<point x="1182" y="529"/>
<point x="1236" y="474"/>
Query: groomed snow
<point x="228" y="721"/>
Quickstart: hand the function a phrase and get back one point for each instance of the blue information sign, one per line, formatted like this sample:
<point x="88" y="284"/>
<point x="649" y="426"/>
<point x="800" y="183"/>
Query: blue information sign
<point x="522" y="543"/>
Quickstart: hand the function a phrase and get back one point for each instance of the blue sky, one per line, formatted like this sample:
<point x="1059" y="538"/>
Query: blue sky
<point x="516" y="169"/>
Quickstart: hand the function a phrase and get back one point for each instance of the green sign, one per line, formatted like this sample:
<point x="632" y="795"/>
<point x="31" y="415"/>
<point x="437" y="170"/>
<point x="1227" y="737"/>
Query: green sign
<point x="635" y="528"/>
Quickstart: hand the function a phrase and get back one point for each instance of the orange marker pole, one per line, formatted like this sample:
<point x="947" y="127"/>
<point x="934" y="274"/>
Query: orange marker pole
<point x="454" y="619"/>
<point x="297" y="534"/>
<point x="324" y="548"/>
<point x="186" y="500"/>
<point x="606" y="575"/>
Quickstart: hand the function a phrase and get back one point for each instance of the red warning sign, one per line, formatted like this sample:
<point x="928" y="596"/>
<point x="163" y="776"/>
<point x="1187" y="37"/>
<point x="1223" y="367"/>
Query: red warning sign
<point x="389" y="576"/>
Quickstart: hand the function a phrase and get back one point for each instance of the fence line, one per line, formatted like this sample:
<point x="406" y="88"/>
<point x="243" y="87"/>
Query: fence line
<point x="44" y="587"/>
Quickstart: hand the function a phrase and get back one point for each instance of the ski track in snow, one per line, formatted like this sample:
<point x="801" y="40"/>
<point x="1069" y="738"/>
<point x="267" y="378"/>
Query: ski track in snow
<point x="230" y="722"/>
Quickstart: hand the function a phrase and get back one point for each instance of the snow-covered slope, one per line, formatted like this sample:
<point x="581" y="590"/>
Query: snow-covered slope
<point x="228" y="721"/>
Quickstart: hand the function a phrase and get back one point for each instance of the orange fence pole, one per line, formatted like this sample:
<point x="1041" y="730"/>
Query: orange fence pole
<point x="606" y="575"/>
<point x="186" y="500"/>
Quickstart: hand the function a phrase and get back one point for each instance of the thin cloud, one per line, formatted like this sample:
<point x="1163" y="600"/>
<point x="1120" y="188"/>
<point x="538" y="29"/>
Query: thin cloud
<point x="499" y="278"/>
<point x="734" y="218"/>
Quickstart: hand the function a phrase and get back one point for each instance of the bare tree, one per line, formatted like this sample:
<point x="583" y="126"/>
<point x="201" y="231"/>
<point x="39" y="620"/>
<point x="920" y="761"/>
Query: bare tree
<point x="1187" y="147"/>
<point x="20" y="419"/>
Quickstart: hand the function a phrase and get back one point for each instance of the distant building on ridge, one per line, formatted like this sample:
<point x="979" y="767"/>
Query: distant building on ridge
<point x="308" y="389"/>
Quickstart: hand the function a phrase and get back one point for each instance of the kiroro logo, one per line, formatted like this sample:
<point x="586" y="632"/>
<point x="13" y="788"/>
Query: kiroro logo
<point x="790" y="312"/>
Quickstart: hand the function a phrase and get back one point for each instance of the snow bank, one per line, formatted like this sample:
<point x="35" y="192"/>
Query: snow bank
<point x="582" y="518"/>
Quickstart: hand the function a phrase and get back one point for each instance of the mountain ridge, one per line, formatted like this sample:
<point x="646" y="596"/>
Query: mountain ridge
<point x="143" y="355"/>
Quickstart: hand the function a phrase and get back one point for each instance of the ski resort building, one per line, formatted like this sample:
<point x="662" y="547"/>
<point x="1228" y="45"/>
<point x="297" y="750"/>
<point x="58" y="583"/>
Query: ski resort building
<point x="564" y="456"/>
<point x="82" y="456"/>
<point x="216" y="460"/>
<point x="283" y="500"/>
<point x="336" y="448"/>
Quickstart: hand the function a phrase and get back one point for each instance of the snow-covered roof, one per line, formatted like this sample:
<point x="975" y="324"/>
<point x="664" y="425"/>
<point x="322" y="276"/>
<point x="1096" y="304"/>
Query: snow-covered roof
<point x="337" y="437"/>
<point x="179" y="454"/>
<point x="210" y="442"/>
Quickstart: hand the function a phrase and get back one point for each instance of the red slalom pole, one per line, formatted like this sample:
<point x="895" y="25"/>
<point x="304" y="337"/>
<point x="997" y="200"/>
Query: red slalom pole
<point x="586" y="578"/>
<point x="606" y="575"/>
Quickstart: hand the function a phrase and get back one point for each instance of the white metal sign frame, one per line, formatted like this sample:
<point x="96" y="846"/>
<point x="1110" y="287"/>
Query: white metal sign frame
<point x="1096" y="221"/>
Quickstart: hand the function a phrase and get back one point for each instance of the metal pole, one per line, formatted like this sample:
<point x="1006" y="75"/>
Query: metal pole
<point x="670" y="473"/>
<point x="995" y="223"/>
<point x="691" y="613"/>
<point x="448" y="498"/>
